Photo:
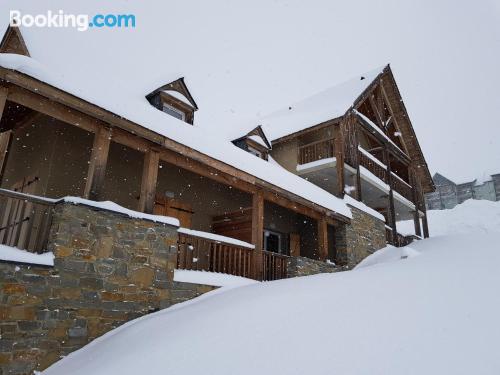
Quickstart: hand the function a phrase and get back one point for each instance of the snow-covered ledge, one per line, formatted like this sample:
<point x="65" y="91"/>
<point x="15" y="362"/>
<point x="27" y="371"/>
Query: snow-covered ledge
<point x="216" y="237"/>
<point x="111" y="206"/>
<point x="12" y="254"/>
<point x="211" y="278"/>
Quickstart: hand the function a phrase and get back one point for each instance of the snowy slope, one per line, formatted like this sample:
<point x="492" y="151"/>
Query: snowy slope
<point x="463" y="218"/>
<point x="435" y="312"/>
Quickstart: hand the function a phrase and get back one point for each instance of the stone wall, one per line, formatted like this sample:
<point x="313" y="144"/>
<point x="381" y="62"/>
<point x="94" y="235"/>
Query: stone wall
<point x="108" y="269"/>
<point x="363" y="237"/>
<point x="300" y="266"/>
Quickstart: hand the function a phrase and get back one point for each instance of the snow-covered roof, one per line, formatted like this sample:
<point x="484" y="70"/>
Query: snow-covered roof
<point x="326" y="105"/>
<point x="138" y="110"/>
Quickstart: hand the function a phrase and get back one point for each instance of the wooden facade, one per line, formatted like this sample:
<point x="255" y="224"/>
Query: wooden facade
<point x="123" y="161"/>
<point x="374" y="138"/>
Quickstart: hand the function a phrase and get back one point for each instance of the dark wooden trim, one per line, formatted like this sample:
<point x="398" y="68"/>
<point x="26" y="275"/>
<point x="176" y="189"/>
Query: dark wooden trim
<point x="391" y="212"/>
<point x="5" y="47"/>
<point x="97" y="166"/>
<point x="258" y="233"/>
<point x="322" y="239"/>
<point x="148" y="181"/>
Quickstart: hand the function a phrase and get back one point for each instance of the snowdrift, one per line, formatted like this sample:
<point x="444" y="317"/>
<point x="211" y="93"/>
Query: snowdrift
<point x="472" y="216"/>
<point x="434" y="312"/>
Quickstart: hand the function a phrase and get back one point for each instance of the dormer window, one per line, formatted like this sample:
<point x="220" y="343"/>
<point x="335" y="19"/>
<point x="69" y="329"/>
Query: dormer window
<point x="172" y="111"/>
<point x="254" y="151"/>
<point x="175" y="100"/>
<point x="255" y="142"/>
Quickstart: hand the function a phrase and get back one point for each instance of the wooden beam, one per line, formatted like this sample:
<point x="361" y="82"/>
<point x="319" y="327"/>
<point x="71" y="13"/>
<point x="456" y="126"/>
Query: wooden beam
<point x="53" y="109"/>
<point x="416" y="217"/>
<point x="97" y="166"/>
<point x="339" y="155"/>
<point x="391" y="213"/>
<point x="425" y="224"/>
<point x="5" y="137"/>
<point x="322" y="239"/>
<point x="149" y="180"/>
<point x="258" y="233"/>
<point x="4" y="93"/>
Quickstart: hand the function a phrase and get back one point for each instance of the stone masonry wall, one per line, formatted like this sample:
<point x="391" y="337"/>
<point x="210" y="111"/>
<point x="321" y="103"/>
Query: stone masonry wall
<point x="300" y="266"/>
<point x="108" y="269"/>
<point x="363" y="237"/>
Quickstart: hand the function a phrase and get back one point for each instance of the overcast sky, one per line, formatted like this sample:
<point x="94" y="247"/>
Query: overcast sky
<point x="245" y="59"/>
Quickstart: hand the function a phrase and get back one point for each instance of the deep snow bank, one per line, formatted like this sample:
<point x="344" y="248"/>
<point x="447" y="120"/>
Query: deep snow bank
<point x="435" y="313"/>
<point x="472" y="216"/>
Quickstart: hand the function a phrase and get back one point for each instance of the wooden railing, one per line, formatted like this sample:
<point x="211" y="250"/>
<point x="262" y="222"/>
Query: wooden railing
<point x="402" y="187"/>
<point x="275" y="266"/>
<point x="25" y="221"/>
<point x="397" y="183"/>
<point x="202" y="254"/>
<point x="316" y="151"/>
<point x="372" y="166"/>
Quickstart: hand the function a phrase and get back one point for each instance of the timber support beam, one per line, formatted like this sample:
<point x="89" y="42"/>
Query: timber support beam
<point x="97" y="166"/>
<point x="149" y="180"/>
<point x="257" y="234"/>
<point x="322" y="239"/>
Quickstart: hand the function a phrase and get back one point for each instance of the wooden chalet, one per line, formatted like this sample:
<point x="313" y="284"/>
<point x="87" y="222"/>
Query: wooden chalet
<point x="55" y="144"/>
<point x="367" y="149"/>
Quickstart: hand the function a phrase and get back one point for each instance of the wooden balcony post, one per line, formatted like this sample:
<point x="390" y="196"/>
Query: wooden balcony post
<point x="339" y="155"/>
<point x="322" y="238"/>
<point x="391" y="214"/>
<point x="149" y="179"/>
<point x="416" y="217"/>
<point x="258" y="233"/>
<point x="425" y="225"/>
<point x="5" y="137"/>
<point x="97" y="166"/>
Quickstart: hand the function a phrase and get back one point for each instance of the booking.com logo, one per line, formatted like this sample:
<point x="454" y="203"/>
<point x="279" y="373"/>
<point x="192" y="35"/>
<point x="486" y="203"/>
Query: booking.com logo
<point x="82" y="22"/>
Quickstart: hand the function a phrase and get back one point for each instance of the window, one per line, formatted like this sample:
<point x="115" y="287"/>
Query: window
<point x="174" y="112"/>
<point x="254" y="151"/>
<point x="272" y="241"/>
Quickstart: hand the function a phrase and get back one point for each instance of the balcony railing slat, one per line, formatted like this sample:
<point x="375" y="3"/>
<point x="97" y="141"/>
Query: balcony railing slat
<point x="318" y="150"/>
<point x="25" y="220"/>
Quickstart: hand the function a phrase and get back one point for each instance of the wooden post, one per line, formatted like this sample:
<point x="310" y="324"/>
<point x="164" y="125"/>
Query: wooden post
<point x="358" y="170"/>
<point x="425" y="225"/>
<point x="258" y="233"/>
<point x="97" y="167"/>
<point x="149" y="179"/>
<point x="339" y="155"/>
<point x="5" y="137"/>
<point x="322" y="238"/>
<point x="416" y="217"/>
<point x="391" y="214"/>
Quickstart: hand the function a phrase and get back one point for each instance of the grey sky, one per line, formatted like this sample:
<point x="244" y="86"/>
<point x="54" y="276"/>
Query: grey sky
<point x="245" y="59"/>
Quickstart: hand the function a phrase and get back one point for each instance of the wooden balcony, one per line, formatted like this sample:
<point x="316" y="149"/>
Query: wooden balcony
<point x="318" y="150"/>
<point x="204" y="254"/>
<point x="397" y="183"/>
<point x="25" y="221"/>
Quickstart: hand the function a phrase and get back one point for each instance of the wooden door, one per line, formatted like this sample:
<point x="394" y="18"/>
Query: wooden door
<point x="174" y="208"/>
